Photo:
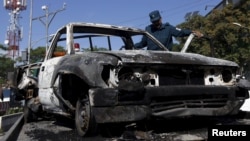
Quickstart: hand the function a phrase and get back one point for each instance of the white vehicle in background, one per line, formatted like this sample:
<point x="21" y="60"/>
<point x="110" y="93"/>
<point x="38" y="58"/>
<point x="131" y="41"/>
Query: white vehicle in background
<point x="246" y="105"/>
<point x="246" y="74"/>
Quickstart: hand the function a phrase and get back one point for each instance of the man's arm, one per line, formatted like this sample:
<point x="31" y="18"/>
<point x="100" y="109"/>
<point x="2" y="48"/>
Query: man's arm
<point x="177" y="32"/>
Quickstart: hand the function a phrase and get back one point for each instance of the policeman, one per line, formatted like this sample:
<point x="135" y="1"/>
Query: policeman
<point x="162" y="32"/>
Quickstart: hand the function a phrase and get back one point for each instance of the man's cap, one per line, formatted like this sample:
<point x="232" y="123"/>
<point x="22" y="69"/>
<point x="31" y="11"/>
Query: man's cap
<point x="154" y="16"/>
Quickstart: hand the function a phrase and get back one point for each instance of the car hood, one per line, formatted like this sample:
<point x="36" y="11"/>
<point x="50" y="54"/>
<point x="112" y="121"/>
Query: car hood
<point x="163" y="57"/>
<point x="89" y="65"/>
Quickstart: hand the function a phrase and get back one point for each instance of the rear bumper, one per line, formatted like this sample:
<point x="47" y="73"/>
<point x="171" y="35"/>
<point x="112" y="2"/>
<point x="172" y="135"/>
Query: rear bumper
<point x="112" y="105"/>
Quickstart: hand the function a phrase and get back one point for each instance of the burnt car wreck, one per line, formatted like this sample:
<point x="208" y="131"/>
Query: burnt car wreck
<point x="105" y="84"/>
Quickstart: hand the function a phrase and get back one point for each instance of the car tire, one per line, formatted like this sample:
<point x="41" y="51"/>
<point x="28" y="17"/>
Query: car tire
<point x="84" y="119"/>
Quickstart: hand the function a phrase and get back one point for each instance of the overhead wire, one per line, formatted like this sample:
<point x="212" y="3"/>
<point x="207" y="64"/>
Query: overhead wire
<point x="171" y="12"/>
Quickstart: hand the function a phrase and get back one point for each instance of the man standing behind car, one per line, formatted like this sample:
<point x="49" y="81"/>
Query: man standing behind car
<point x="162" y="32"/>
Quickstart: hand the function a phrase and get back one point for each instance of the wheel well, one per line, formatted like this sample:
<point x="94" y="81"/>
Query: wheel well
<point x="72" y="88"/>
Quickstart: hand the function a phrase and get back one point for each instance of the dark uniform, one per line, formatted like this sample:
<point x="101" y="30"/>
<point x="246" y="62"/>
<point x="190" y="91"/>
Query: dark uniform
<point x="163" y="34"/>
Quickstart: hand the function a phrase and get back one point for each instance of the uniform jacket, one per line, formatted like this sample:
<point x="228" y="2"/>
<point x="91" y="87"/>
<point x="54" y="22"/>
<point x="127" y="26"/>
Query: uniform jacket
<point x="164" y="34"/>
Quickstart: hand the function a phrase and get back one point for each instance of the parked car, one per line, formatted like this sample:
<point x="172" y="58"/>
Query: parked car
<point x="93" y="74"/>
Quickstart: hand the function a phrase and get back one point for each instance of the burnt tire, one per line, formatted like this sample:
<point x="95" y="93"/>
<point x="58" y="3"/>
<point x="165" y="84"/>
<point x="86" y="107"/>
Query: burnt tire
<point x="84" y="119"/>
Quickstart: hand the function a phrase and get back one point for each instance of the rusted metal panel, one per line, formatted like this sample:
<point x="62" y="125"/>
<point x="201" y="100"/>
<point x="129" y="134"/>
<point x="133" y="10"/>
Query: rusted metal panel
<point x="120" y="113"/>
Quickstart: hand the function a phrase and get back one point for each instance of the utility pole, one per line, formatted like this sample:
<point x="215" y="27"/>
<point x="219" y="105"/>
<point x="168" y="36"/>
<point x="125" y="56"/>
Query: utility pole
<point x="46" y="23"/>
<point x="30" y="31"/>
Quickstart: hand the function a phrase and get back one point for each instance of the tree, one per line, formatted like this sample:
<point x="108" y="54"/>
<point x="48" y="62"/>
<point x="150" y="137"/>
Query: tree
<point x="195" y="23"/>
<point x="228" y="40"/>
<point x="37" y="54"/>
<point x="7" y="65"/>
<point x="95" y="48"/>
<point x="3" y="47"/>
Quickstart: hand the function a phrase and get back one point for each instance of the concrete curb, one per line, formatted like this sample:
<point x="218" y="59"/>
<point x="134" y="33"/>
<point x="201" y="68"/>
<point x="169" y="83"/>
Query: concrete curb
<point x="13" y="132"/>
<point x="7" y="121"/>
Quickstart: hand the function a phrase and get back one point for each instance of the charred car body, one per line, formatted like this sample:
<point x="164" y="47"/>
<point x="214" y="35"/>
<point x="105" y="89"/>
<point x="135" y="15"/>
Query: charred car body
<point x="125" y="85"/>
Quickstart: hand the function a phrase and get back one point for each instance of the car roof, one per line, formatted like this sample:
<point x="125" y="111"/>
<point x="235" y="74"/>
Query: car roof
<point x="103" y="26"/>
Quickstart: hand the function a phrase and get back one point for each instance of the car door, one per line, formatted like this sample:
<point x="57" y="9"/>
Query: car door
<point x="56" y="52"/>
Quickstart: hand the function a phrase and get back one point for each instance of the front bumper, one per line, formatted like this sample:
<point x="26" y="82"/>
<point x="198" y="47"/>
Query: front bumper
<point x="112" y="105"/>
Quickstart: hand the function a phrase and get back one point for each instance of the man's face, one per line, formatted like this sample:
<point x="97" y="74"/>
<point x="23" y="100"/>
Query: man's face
<point x="157" y="24"/>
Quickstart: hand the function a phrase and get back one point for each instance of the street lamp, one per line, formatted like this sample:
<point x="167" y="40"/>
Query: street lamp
<point x="238" y="24"/>
<point x="47" y="20"/>
<point x="46" y="9"/>
<point x="46" y="23"/>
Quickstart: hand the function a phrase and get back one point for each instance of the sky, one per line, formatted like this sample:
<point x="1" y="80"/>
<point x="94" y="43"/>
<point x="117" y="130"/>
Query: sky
<point x="132" y="13"/>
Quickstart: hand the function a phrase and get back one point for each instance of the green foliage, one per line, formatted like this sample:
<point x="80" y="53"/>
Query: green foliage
<point x="7" y="65"/>
<point x="195" y="23"/>
<point x="2" y="47"/>
<point x="228" y="41"/>
<point x="37" y="54"/>
<point x="60" y="48"/>
<point x="14" y="110"/>
<point x="95" y="48"/>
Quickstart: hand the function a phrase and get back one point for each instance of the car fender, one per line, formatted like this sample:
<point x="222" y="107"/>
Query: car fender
<point x="89" y="68"/>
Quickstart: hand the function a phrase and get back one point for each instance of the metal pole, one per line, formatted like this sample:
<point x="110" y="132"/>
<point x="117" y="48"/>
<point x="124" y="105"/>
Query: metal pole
<point x="47" y="28"/>
<point x="30" y="31"/>
<point x="48" y="21"/>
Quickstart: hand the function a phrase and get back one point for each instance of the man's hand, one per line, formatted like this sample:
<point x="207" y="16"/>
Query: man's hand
<point x="198" y="34"/>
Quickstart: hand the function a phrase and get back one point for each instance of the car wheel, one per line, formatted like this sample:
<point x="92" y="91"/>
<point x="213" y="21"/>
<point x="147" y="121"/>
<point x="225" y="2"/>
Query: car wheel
<point x="84" y="119"/>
